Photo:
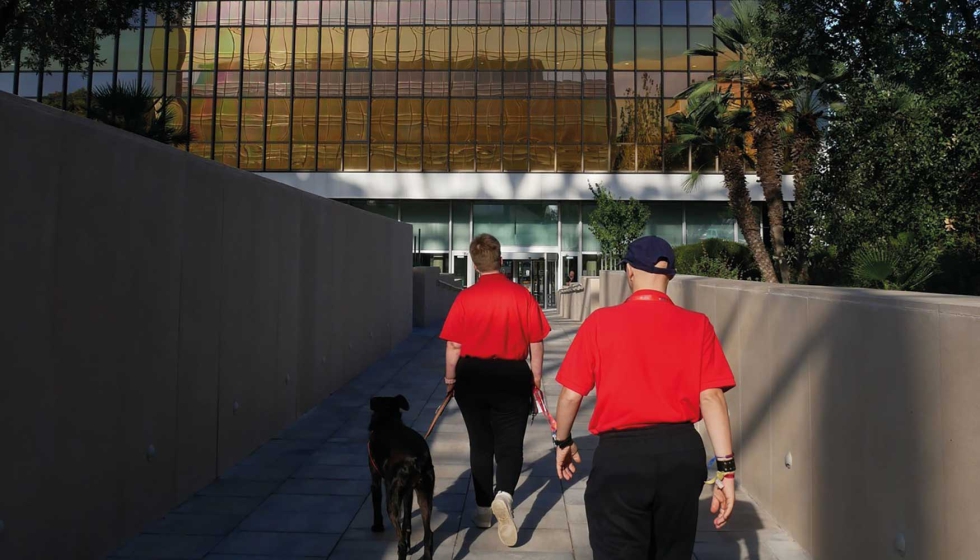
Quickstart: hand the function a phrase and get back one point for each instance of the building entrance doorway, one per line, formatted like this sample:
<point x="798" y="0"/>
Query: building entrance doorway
<point x="537" y="272"/>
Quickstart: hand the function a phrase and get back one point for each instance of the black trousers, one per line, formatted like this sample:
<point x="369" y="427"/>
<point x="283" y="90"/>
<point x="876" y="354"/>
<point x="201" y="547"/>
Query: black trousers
<point x="641" y="501"/>
<point x="494" y="397"/>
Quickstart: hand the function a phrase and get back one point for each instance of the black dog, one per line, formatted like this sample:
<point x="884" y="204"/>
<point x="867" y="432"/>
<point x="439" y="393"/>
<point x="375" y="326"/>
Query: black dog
<point x="400" y="456"/>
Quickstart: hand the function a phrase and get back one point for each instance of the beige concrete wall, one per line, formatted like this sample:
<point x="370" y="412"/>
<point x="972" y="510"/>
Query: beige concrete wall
<point x="874" y="396"/>
<point x="433" y="295"/>
<point x="152" y="298"/>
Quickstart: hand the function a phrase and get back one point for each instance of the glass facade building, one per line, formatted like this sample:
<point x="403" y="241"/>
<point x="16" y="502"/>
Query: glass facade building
<point x="505" y="88"/>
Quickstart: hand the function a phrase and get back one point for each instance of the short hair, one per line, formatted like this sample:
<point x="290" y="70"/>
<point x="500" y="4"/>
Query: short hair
<point x="485" y="252"/>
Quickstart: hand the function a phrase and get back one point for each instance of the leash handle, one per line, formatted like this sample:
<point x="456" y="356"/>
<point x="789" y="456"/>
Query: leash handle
<point x="439" y="411"/>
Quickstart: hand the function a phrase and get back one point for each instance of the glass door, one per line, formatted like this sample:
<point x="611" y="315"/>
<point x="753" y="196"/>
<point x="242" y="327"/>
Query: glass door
<point x="536" y="272"/>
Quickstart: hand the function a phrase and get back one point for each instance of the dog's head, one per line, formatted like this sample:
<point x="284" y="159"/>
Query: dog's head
<point x="387" y="409"/>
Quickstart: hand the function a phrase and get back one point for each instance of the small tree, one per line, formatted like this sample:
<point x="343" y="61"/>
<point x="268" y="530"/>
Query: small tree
<point x="615" y="223"/>
<point x="135" y="107"/>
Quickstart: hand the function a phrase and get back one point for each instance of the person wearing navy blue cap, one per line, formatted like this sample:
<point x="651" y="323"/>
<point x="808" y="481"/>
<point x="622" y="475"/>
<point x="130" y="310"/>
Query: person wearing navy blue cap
<point x="657" y="370"/>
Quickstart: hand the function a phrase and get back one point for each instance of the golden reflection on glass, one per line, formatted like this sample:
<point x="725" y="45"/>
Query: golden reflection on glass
<point x="226" y="154"/>
<point x="204" y="48"/>
<point x="436" y="128"/>
<point x="382" y="157"/>
<point x="648" y="48"/>
<point x="254" y="48"/>
<point x="515" y="158"/>
<point x="229" y="49"/>
<point x="489" y="42"/>
<point x="226" y="121"/>
<point x="355" y="157"/>
<point x="569" y="48"/>
<point x="542" y="158"/>
<point x="623" y="55"/>
<point x="201" y="149"/>
<point x="410" y="53"/>
<point x="436" y="48"/>
<point x="307" y="48"/>
<point x="304" y="157"/>
<point x="488" y="157"/>
<point x="596" y="158"/>
<point x="675" y="45"/>
<point x="516" y="48"/>
<point x="542" y="121"/>
<point x="594" y="48"/>
<point x="701" y="37"/>
<point x="308" y="12"/>
<point x="331" y="124"/>
<point x="359" y="48"/>
<point x="462" y="157"/>
<point x="463" y="41"/>
<point x="202" y="114"/>
<point x="410" y="121"/>
<point x="408" y="157"/>
<point x="280" y="83"/>
<point x="330" y="157"/>
<point x="332" y="48"/>
<point x="277" y="120"/>
<point x="356" y="123"/>
<point x="205" y="13"/>
<point x="649" y="120"/>
<point x="568" y="121"/>
<point x="281" y="48"/>
<point x="595" y="129"/>
<point x="489" y="127"/>
<point x="385" y="44"/>
<point x="304" y="121"/>
<point x="516" y="121"/>
<point x="569" y="159"/>
<point x="543" y="48"/>
<point x="435" y="157"/>
<point x="624" y="119"/>
<point x="650" y="157"/>
<point x="277" y="157"/>
<point x="252" y="157"/>
<point x="383" y="120"/>
<point x="623" y="157"/>
<point x="462" y="121"/>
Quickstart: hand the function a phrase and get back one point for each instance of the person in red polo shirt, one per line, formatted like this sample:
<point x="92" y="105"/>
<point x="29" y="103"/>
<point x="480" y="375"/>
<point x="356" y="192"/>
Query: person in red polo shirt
<point x="657" y="370"/>
<point x="489" y="332"/>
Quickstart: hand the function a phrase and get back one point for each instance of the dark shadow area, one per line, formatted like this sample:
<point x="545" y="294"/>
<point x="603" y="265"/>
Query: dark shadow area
<point x="739" y="539"/>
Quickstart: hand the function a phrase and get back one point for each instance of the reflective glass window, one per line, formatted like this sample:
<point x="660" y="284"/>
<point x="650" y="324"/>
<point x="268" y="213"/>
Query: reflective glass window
<point x="518" y="224"/>
<point x="436" y="48"/>
<point x="623" y="52"/>
<point x="432" y="219"/>
<point x="436" y="121"/>
<point x="330" y="123"/>
<point x="709" y="220"/>
<point x="410" y="121"/>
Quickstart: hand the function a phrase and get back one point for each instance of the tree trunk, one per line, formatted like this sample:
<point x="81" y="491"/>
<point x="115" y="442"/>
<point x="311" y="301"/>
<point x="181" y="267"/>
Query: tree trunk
<point x="769" y="159"/>
<point x="804" y="155"/>
<point x="741" y="205"/>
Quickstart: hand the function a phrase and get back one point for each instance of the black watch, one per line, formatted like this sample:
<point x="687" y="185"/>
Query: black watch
<point x="562" y="444"/>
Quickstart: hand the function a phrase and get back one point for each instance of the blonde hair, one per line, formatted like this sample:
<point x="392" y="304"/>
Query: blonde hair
<point x="485" y="252"/>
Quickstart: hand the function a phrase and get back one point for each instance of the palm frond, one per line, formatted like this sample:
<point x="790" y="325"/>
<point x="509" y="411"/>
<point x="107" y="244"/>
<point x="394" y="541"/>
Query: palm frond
<point x="692" y="181"/>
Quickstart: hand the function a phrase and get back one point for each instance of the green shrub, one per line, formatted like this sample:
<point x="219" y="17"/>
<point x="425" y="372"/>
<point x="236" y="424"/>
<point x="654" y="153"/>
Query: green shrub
<point x="716" y="258"/>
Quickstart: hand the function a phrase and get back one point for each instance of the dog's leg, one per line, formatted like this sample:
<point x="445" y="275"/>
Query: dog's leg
<point x="378" y="526"/>
<point x="425" y="493"/>
<point x="405" y="539"/>
<point x="396" y="506"/>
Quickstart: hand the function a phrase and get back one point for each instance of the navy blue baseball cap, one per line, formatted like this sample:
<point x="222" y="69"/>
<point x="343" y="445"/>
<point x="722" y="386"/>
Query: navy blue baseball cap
<point x="644" y="254"/>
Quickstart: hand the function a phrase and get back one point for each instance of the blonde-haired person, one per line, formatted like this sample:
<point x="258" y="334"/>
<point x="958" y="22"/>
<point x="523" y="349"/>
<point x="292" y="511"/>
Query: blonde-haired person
<point x="490" y="331"/>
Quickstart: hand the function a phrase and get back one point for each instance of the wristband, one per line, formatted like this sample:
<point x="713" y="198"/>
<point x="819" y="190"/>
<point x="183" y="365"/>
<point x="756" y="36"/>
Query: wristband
<point x="726" y="465"/>
<point x="450" y="380"/>
<point x="562" y="444"/>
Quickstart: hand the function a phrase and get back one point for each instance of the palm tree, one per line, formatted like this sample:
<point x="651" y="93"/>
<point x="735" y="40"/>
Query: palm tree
<point x="715" y="121"/>
<point x="764" y="85"/>
<point x="136" y="108"/>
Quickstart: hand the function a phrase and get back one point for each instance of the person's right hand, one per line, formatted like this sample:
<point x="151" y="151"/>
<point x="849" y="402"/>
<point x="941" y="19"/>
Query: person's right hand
<point x="722" y="502"/>
<point x="566" y="459"/>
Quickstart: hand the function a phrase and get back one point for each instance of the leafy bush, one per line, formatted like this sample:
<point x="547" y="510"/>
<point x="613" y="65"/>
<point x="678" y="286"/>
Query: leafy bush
<point x="959" y="268"/>
<point x="716" y="258"/>
<point x="892" y="264"/>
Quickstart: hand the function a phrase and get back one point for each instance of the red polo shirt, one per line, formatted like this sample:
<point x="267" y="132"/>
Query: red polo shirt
<point x="648" y="361"/>
<point x="495" y="318"/>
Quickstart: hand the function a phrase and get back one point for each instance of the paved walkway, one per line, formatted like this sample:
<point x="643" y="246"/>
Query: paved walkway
<point x="306" y="493"/>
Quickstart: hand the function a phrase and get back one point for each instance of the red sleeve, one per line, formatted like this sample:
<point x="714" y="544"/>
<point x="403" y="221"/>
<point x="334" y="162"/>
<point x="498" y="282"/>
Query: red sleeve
<point x="452" y="329"/>
<point x="536" y="327"/>
<point x="577" y="371"/>
<point x="715" y="371"/>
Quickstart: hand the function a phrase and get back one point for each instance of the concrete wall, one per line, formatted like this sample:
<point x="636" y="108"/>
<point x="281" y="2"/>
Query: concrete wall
<point x="874" y="396"/>
<point x="433" y="295"/>
<point x="151" y="298"/>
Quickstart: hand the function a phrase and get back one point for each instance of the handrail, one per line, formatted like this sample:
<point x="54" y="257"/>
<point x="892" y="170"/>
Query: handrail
<point x="448" y="285"/>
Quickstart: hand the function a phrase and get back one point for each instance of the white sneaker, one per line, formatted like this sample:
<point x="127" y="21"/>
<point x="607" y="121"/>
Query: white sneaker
<point x="482" y="518"/>
<point x="503" y="510"/>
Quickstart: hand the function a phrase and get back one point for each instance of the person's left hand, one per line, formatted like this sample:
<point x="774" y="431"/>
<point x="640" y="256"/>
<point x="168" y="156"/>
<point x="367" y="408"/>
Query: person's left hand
<point x="565" y="460"/>
<point x="537" y="382"/>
